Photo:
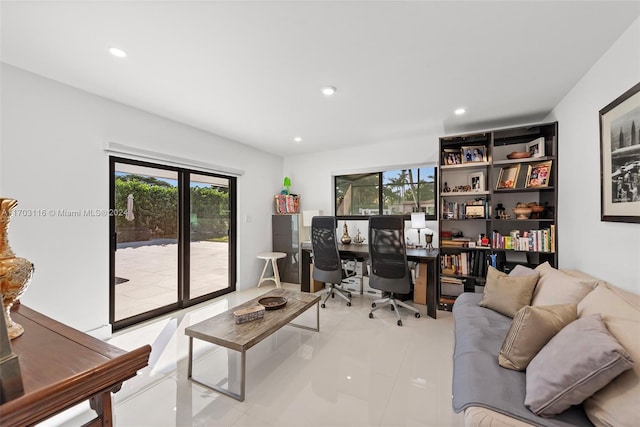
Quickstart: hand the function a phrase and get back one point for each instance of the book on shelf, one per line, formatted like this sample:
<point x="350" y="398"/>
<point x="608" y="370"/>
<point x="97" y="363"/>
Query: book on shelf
<point x="472" y="263"/>
<point x="542" y="240"/>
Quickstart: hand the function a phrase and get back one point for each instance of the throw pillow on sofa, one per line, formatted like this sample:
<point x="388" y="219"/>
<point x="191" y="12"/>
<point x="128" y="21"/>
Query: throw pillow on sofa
<point x="556" y="287"/>
<point x="581" y="359"/>
<point x="531" y="329"/>
<point x="506" y="294"/>
<point x="522" y="270"/>
<point x="617" y="404"/>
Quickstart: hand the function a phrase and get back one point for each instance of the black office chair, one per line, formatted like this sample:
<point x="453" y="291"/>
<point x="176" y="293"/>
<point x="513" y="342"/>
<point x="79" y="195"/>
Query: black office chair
<point x="327" y="265"/>
<point x="390" y="271"/>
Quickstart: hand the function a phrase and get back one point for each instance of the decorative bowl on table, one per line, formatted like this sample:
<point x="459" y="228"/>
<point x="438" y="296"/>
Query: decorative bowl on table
<point x="272" y="303"/>
<point x="522" y="213"/>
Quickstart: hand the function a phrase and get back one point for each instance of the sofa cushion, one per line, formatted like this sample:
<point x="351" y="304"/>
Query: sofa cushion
<point x="531" y="329"/>
<point x="617" y="403"/>
<point x="522" y="270"/>
<point x="557" y="287"/>
<point x="479" y="332"/>
<point x="506" y="294"/>
<point x="580" y="360"/>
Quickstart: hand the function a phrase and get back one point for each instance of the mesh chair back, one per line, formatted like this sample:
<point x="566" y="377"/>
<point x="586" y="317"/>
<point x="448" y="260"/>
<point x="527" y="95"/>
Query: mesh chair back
<point x="326" y="259"/>
<point x="387" y="255"/>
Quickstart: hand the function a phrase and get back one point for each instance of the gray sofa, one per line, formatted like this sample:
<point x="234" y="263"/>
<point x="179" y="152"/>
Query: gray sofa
<point x="491" y="395"/>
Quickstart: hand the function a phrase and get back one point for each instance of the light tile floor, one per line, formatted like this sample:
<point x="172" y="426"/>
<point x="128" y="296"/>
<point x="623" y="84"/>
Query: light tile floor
<point x="355" y="372"/>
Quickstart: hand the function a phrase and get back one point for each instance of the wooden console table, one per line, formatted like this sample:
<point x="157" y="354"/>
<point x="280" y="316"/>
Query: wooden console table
<point x="62" y="367"/>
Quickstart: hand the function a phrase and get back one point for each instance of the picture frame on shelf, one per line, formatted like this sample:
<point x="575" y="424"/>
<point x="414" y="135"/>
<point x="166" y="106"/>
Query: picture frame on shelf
<point x="474" y="154"/>
<point x="476" y="181"/>
<point x="451" y="156"/>
<point x="508" y="177"/>
<point x="475" y="211"/>
<point x="536" y="147"/>
<point x="538" y="175"/>
<point x="620" y="158"/>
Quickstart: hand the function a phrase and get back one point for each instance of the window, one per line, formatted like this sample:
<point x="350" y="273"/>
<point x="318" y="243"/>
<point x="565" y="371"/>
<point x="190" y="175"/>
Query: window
<point x="390" y="192"/>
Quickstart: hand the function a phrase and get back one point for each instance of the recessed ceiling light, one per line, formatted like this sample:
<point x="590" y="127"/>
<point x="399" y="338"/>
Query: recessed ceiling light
<point x="297" y="139"/>
<point x="329" y="90"/>
<point x="117" y="52"/>
<point x="460" y="111"/>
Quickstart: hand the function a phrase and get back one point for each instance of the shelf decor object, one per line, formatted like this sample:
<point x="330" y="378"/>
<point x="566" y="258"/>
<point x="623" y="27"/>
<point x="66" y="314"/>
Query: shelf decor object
<point x="508" y="177"/>
<point x="476" y="153"/>
<point x="535" y="148"/>
<point x="538" y="175"/>
<point x="15" y="272"/>
<point x="428" y="238"/>
<point x="620" y="158"/>
<point x="451" y="157"/>
<point x="476" y="181"/>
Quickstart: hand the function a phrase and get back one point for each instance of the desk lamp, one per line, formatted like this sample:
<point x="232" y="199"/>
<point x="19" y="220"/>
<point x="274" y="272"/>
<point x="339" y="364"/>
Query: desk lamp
<point x="418" y="221"/>
<point x="306" y="221"/>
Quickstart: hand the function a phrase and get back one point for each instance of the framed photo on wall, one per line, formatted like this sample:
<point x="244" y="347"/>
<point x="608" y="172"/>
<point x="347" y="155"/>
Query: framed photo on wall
<point x="538" y="175"/>
<point x="620" y="158"/>
<point x="451" y="156"/>
<point x="508" y="177"/>
<point x="476" y="153"/>
<point x="476" y="181"/>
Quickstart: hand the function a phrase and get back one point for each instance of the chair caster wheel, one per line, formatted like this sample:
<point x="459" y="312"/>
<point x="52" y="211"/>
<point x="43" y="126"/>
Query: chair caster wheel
<point x="391" y="308"/>
<point x="370" y="315"/>
<point x="417" y="315"/>
<point x="373" y="305"/>
<point x="399" y="322"/>
<point x="323" y="306"/>
<point x="333" y="295"/>
<point x="348" y="304"/>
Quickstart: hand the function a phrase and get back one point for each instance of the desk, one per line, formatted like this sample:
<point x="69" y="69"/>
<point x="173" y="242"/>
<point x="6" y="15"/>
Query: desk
<point x="61" y="367"/>
<point x="429" y="257"/>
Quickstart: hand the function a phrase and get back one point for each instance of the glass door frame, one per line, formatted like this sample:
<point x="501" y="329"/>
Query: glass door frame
<point x="184" y="227"/>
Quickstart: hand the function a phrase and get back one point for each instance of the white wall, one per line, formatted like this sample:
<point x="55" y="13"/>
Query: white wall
<point x="312" y="175"/>
<point x="52" y="158"/>
<point x="607" y="250"/>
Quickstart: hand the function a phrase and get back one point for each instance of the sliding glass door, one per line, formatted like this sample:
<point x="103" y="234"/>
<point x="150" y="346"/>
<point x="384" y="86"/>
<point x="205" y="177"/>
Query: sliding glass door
<point x="173" y="241"/>
<point x="209" y="219"/>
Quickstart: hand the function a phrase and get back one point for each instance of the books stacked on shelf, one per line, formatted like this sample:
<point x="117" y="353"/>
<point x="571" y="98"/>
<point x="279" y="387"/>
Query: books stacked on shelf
<point x="529" y="240"/>
<point x="471" y="263"/>
<point x="459" y="210"/>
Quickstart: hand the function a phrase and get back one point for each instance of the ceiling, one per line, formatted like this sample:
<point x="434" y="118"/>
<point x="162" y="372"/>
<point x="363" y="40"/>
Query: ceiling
<point x="252" y="71"/>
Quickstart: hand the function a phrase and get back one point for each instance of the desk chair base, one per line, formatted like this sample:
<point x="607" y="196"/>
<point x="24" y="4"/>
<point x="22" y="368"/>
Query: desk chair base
<point x="393" y="302"/>
<point x="335" y="290"/>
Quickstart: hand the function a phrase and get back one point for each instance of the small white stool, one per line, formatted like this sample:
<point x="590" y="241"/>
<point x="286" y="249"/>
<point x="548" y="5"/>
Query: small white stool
<point x="273" y="257"/>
